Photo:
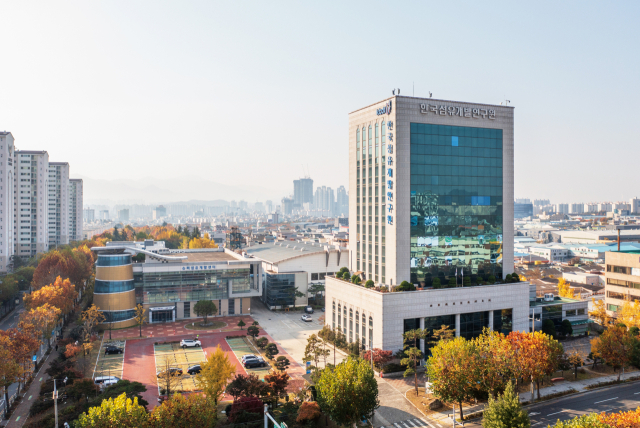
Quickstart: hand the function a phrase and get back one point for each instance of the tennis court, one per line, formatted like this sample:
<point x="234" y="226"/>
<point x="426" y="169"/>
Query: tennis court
<point x="240" y="347"/>
<point x="178" y="357"/>
<point x="110" y="365"/>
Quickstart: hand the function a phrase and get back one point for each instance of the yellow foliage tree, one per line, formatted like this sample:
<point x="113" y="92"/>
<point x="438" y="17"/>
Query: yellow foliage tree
<point x="629" y="314"/>
<point x="564" y="289"/>
<point x="202" y="242"/>
<point x="216" y="372"/>
<point x="599" y="312"/>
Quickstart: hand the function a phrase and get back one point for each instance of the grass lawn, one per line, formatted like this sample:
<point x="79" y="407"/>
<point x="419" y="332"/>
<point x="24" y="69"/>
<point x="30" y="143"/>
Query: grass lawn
<point x="214" y="325"/>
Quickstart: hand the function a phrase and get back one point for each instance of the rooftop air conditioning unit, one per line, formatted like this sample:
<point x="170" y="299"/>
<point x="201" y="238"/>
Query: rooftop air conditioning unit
<point x="548" y="297"/>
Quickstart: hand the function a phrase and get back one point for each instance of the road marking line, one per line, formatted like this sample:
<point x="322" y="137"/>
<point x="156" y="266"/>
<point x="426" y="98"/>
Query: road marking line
<point x="534" y="413"/>
<point x="551" y="414"/>
<point x="609" y="399"/>
<point x="18" y="418"/>
<point x="636" y="393"/>
<point x="411" y="424"/>
<point x="40" y="380"/>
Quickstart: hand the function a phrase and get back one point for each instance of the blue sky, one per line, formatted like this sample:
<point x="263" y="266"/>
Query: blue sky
<point x="248" y="92"/>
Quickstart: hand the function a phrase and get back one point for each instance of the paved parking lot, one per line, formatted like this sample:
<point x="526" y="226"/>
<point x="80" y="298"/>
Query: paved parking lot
<point x="181" y="358"/>
<point x="289" y="331"/>
<point x="112" y="364"/>
<point x="240" y="348"/>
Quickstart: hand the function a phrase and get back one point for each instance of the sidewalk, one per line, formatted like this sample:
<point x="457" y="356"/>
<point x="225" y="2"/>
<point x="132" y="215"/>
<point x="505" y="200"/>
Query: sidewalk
<point x="21" y="413"/>
<point x="579" y="385"/>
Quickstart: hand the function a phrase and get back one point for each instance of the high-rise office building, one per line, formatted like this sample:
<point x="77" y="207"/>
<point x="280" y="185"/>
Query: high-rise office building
<point x="31" y="191"/>
<point x="103" y="215"/>
<point x="123" y="215"/>
<point x="89" y="215"/>
<point x="302" y="191"/>
<point x="75" y="209"/>
<point x="58" y="195"/>
<point x="430" y="198"/>
<point x="287" y="206"/>
<point x="324" y="201"/>
<point x="269" y="206"/>
<point x="159" y="212"/>
<point x="342" y="202"/>
<point x="6" y="200"/>
<point x="427" y="185"/>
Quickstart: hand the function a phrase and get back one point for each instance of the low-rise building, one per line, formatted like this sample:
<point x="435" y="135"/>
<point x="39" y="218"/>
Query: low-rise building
<point x="557" y="309"/>
<point x="622" y="279"/>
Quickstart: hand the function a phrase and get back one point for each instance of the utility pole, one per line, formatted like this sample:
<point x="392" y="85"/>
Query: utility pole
<point x="55" y="401"/>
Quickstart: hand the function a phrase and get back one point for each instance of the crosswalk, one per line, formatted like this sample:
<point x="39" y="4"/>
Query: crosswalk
<point x="411" y="423"/>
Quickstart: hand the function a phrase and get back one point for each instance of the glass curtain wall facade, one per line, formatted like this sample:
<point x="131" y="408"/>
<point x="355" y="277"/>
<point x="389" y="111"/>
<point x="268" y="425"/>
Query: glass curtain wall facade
<point x="166" y="287"/>
<point x="279" y="289"/>
<point x="503" y="321"/>
<point x="456" y="201"/>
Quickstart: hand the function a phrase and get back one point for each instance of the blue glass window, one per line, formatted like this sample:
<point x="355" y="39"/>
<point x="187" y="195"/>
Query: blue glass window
<point x="103" y="287"/>
<point x="116" y="316"/>
<point x="110" y="260"/>
<point x="454" y="141"/>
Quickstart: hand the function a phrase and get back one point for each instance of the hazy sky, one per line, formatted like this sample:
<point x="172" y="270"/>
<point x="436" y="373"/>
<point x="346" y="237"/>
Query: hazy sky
<point x="247" y="92"/>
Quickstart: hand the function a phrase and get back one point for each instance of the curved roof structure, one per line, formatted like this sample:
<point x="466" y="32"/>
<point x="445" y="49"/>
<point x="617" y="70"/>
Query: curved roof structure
<point x="135" y="250"/>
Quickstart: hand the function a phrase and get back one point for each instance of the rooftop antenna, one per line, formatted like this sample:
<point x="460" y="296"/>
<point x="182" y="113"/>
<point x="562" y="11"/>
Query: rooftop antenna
<point x="430" y="94"/>
<point x="414" y="89"/>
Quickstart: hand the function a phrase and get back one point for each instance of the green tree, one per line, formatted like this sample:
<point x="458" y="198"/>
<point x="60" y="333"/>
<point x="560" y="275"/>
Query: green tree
<point x="282" y="363"/>
<point x="271" y="350"/>
<point x="405" y="286"/>
<point x="587" y="421"/>
<point x="567" y="328"/>
<point x="505" y="411"/>
<point x="185" y="412"/>
<point x="314" y="350"/>
<point x="466" y="281"/>
<point x="241" y="324"/>
<point x="262" y="342"/>
<point x="369" y="283"/>
<point x="316" y="288"/>
<point x="346" y="275"/>
<point x="355" y="279"/>
<point x="436" y="283"/>
<point x="349" y="392"/>
<point x="205" y="308"/>
<point x="253" y="331"/>
<point x="452" y="281"/>
<point x="343" y="269"/>
<point x="414" y="355"/>
<point x="548" y="327"/>
<point x="121" y="412"/>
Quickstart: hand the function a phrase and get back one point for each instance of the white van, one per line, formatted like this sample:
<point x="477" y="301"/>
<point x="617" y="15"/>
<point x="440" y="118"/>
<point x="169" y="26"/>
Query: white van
<point x="104" y="381"/>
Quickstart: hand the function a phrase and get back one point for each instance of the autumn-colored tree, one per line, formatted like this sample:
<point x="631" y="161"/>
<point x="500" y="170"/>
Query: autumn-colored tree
<point x="629" y="314"/>
<point x="599" y="312"/>
<point x="449" y="367"/>
<point x="614" y="346"/>
<point x="491" y="361"/>
<point x="185" y="412"/>
<point x="277" y="383"/>
<point x="90" y="319"/>
<point x="167" y="380"/>
<point x="71" y="350"/>
<point x="43" y="318"/>
<point x="576" y="361"/>
<point x="564" y="289"/>
<point x="140" y="317"/>
<point x="215" y="374"/>
<point x="308" y="411"/>
<point x="9" y="368"/>
<point x="380" y="357"/>
<point x="443" y="333"/>
<point x="23" y="343"/>
<point x="122" y="412"/>
<point x="205" y="242"/>
<point x="621" y="419"/>
<point x="52" y="265"/>
<point x="60" y="294"/>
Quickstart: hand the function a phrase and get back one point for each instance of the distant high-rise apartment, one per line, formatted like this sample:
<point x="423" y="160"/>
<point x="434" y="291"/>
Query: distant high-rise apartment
<point x="541" y="202"/>
<point x="605" y="207"/>
<point x="325" y="200"/>
<point x="562" y="208"/>
<point x="103" y="215"/>
<point x="159" y="212"/>
<point x="634" y="206"/>
<point x="6" y="200"/>
<point x="58" y="195"/>
<point x="302" y="191"/>
<point x="31" y="207"/>
<point x="89" y="215"/>
<point x="342" y="202"/>
<point x="576" y="208"/>
<point x="523" y="201"/>
<point x="269" y="206"/>
<point x="75" y="209"/>
<point x="287" y="206"/>
<point x="123" y="215"/>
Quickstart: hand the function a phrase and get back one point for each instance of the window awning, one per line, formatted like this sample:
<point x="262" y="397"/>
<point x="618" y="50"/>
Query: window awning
<point x="162" y="308"/>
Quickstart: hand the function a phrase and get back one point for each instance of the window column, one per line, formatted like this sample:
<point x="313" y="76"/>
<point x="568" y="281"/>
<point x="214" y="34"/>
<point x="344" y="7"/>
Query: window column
<point x="457" y="325"/>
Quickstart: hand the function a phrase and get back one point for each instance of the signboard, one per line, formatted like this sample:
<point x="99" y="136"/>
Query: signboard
<point x="308" y="367"/>
<point x="35" y="358"/>
<point x="635" y="271"/>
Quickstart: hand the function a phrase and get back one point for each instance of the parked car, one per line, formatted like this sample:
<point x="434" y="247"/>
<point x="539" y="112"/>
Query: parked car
<point x="254" y="362"/>
<point x="190" y="343"/>
<point x="244" y="357"/>
<point x="173" y="371"/>
<point x="322" y="309"/>
<point x="104" y="381"/>
<point x="306" y="318"/>
<point x="193" y="370"/>
<point x="113" y="350"/>
<point x="308" y="309"/>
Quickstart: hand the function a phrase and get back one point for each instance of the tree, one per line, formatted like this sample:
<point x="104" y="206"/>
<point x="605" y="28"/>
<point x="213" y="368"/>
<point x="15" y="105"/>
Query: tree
<point x="121" y="412"/>
<point x="349" y="392"/>
<point x="130" y="389"/>
<point x="380" y="357"/>
<point x="309" y="411"/>
<point x="61" y="294"/>
<point x="629" y="314"/>
<point x="564" y="363"/>
<point x="576" y="361"/>
<point x="443" y="333"/>
<point x="316" y="288"/>
<point x="253" y="331"/>
<point x="436" y="283"/>
<point x="405" y="286"/>
<point x="314" y="350"/>
<point x="246" y="409"/>
<point x="491" y="361"/>
<point x="614" y="346"/>
<point x="548" y="327"/>
<point x="282" y="363"/>
<point x="9" y="368"/>
<point x="246" y="386"/>
<point x="241" y="324"/>
<point x="449" y="367"/>
<point x="262" y="342"/>
<point x="355" y="279"/>
<point x="215" y="373"/>
<point x="44" y="319"/>
<point x="277" y="383"/>
<point x="205" y="308"/>
<point x="91" y="318"/>
<point x="505" y="411"/>
<point x="346" y="276"/>
<point x="23" y="344"/>
<point x="185" y="412"/>
<point x="369" y="283"/>
<point x="167" y="381"/>
<point x="567" y="328"/>
<point x="414" y="355"/>
<point x="599" y="312"/>
<point x="140" y="317"/>
<point x="564" y="289"/>
<point x="271" y="350"/>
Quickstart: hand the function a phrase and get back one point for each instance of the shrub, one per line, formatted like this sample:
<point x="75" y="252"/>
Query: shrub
<point x="246" y="409"/>
<point x="491" y="279"/>
<point x="369" y="283"/>
<point x="436" y="283"/>
<point x="508" y="278"/>
<point x="262" y="342"/>
<point x="355" y="279"/>
<point x="548" y="327"/>
<point x="309" y="411"/>
<point x="633" y="331"/>
<point x="76" y="333"/>
<point x="393" y="368"/>
<point x="40" y="405"/>
<point x="405" y="286"/>
<point x="384" y="289"/>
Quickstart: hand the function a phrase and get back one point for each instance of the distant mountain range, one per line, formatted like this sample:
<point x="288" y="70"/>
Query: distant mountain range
<point x="172" y="190"/>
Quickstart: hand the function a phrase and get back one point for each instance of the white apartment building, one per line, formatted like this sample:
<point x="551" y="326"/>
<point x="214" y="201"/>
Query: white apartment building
<point x="31" y="190"/>
<point x="6" y="200"/>
<point x="58" y="203"/>
<point x="75" y="209"/>
<point x="634" y="205"/>
<point x="562" y="208"/>
<point x="576" y="208"/>
<point x="605" y="207"/>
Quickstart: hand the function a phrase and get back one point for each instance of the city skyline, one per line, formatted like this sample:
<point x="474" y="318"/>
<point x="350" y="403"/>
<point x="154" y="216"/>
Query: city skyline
<point x="102" y="71"/>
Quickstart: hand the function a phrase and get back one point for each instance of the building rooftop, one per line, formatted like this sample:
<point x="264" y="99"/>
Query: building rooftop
<point x="210" y="256"/>
<point x="283" y="250"/>
<point x="556" y="301"/>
